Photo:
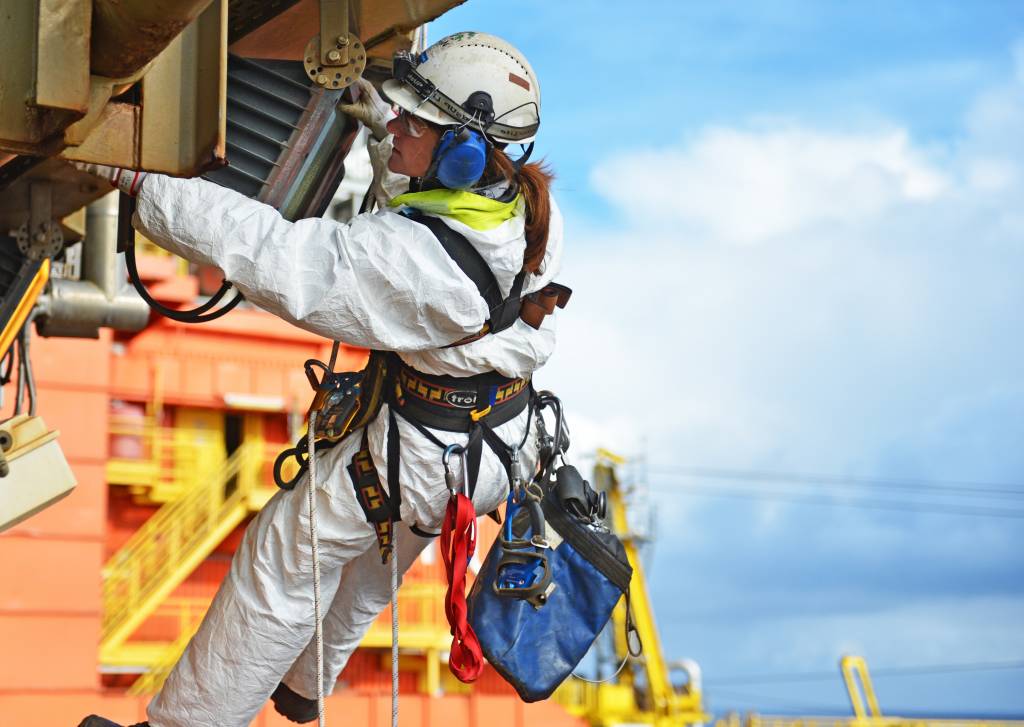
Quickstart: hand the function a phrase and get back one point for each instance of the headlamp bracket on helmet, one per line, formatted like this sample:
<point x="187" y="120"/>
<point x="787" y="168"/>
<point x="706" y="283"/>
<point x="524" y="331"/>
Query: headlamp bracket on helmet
<point x="473" y="113"/>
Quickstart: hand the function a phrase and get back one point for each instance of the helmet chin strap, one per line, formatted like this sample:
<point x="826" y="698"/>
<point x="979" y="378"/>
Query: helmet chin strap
<point x="524" y="157"/>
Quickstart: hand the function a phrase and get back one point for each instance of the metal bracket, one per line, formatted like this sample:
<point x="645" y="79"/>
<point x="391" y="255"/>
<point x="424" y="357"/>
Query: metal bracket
<point x="40" y="237"/>
<point x="334" y="30"/>
<point x="335" y="58"/>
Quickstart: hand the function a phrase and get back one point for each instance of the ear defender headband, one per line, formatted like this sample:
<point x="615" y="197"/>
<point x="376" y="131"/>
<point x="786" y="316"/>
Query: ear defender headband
<point x="461" y="154"/>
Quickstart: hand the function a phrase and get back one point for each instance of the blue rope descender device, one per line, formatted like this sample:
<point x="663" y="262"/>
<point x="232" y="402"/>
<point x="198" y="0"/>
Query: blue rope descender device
<point x="523" y="570"/>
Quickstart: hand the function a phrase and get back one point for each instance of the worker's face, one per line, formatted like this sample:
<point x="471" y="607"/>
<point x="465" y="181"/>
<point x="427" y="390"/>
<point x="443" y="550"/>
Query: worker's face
<point x="414" y="144"/>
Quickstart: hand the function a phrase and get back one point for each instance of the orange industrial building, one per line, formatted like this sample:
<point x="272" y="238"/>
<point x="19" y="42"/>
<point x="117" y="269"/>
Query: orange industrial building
<point x="171" y="433"/>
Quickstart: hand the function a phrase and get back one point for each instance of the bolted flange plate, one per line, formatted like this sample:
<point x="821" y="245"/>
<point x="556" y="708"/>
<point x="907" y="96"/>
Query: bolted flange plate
<point x="339" y="76"/>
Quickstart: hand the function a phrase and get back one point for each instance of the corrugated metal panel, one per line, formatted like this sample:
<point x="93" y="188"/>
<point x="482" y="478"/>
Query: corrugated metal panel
<point x="266" y="100"/>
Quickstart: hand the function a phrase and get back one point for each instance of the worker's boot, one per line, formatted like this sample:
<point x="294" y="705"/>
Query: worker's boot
<point x="93" y="721"/>
<point x="294" y="706"/>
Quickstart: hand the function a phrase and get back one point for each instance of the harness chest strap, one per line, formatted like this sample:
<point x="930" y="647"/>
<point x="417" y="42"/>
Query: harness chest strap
<point x="502" y="312"/>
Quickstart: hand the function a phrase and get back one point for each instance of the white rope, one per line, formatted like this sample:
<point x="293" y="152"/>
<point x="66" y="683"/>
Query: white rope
<point x="607" y="678"/>
<point x="394" y="626"/>
<point x="311" y="442"/>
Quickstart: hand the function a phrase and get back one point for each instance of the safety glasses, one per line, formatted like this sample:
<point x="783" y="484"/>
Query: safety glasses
<point x="411" y="125"/>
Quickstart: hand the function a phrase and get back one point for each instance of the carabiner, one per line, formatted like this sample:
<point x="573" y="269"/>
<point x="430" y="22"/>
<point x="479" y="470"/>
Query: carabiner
<point x="449" y="474"/>
<point x="516" y="480"/>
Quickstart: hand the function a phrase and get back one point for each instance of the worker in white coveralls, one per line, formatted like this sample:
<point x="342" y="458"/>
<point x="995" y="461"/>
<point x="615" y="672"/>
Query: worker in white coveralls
<point x="383" y="281"/>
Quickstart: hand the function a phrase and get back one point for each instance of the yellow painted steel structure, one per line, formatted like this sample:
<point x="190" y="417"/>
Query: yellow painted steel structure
<point x="204" y="496"/>
<point x="140" y="577"/>
<point x="651" y="699"/>
<point x="14" y="324"/>
<point x="172" y="543"/>
<point x="208" y="494"/>
<point x="174" y="459"/>
<point x="864" y="703"/>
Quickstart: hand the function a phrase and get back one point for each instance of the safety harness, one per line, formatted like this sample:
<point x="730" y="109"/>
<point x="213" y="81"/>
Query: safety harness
<point x="502" y="312"/>
<point x="348" y="401"/>
<point x="473" y="405"/>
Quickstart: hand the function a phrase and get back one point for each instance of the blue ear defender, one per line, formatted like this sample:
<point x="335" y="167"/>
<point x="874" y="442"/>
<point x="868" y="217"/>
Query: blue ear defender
<point x="461" y="157"/>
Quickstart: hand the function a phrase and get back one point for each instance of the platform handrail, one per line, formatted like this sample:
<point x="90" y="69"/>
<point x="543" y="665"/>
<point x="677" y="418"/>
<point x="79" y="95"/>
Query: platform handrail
<point x="172" y="543"/>
<point x="171" y="459"/>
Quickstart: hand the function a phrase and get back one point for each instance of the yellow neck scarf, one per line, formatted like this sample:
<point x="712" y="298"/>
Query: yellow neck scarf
<point x="472" y="210"/>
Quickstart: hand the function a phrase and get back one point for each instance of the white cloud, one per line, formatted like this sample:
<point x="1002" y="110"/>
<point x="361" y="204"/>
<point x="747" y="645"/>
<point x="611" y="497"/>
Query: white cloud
<point x="992" y="174"/>
<point x="888" y="285"/>
<point x="869" y="326"/>
<point x="754" y="185"/>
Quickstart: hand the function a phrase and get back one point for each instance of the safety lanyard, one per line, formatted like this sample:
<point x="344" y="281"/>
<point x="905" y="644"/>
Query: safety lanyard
<point x="458" y="543"/>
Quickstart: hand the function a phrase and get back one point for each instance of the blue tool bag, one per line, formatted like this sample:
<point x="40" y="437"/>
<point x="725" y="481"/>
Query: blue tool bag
<point x="548" y="586"/>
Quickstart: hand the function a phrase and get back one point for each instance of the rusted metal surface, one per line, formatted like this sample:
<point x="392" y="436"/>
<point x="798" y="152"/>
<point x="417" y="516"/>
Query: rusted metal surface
<point x="71" y="190"/>
<point x="177" y="124"/>
<point x="390" y="21"/>
<point x="62" y="55"/>
<point x="24" y="127"/>
<point x="318" y="148"/>
<point x="128" y="34"/>
<point x="244" y="16"/>
<point x="113" y="141"/>
<point x="183" y="97"/>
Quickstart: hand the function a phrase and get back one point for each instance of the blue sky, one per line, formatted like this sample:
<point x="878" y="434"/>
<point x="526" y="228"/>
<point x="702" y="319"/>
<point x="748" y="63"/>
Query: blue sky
<point x="795" y="234"/>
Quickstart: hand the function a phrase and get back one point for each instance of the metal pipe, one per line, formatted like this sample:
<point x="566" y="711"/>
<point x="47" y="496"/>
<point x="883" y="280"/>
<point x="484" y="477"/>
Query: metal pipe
<point x="128" y="34"/>
<point x="79" y="308"/>
<point x="100" y="262"/>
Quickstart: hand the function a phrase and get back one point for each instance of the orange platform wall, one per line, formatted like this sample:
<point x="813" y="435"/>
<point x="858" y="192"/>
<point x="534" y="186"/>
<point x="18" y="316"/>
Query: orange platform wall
<point x="50" y="565"/>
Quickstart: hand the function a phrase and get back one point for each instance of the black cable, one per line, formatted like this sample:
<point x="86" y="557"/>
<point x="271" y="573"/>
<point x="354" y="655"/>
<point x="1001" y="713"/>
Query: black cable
<point x="950" y="486"/>
<point x="905" y="506"/>
<point x="126" y="244"/>
<point x="7" y="366"/>
<point x="891" y="671"/>
<point x="19" y="392"/>
<point x="779" y="702"/>
<point x="196" y="315"/>
<point x="26" y="363"/>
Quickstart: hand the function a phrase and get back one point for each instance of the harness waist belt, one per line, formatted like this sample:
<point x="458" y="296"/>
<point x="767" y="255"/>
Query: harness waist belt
<point x="452" y="403"/>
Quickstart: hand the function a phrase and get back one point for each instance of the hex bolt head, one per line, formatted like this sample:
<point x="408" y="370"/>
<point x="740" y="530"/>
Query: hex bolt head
<point x="334" y="56"/>
<point x="342" y="41"/>
<point x="322" y="80"/>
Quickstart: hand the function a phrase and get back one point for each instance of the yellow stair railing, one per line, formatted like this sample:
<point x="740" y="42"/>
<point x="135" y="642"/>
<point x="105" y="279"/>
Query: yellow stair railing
<point x="170" y="461"/>
<point x="172" y="543"/>
<point x="424" y="630"/>
<point x="152" y="681"/>
<point x="866" y="712"/>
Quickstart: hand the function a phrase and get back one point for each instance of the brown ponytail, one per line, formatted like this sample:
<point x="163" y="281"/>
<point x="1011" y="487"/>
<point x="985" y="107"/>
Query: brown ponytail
<point x="534" y="182"/>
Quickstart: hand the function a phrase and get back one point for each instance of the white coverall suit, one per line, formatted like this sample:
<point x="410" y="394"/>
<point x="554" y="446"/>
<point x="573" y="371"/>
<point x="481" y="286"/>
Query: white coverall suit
<point x="380" y="281"/>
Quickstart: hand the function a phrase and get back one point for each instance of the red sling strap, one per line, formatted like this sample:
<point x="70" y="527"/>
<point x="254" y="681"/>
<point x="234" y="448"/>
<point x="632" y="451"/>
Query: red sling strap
<point x="458" y="543"/>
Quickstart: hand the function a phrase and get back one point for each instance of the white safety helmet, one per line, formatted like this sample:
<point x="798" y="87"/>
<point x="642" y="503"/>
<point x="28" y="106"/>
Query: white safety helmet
<point x="470" y="79"/>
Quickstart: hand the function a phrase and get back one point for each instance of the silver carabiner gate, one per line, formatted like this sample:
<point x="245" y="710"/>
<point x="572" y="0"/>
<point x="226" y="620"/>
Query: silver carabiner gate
<point x="449" y="475"/>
